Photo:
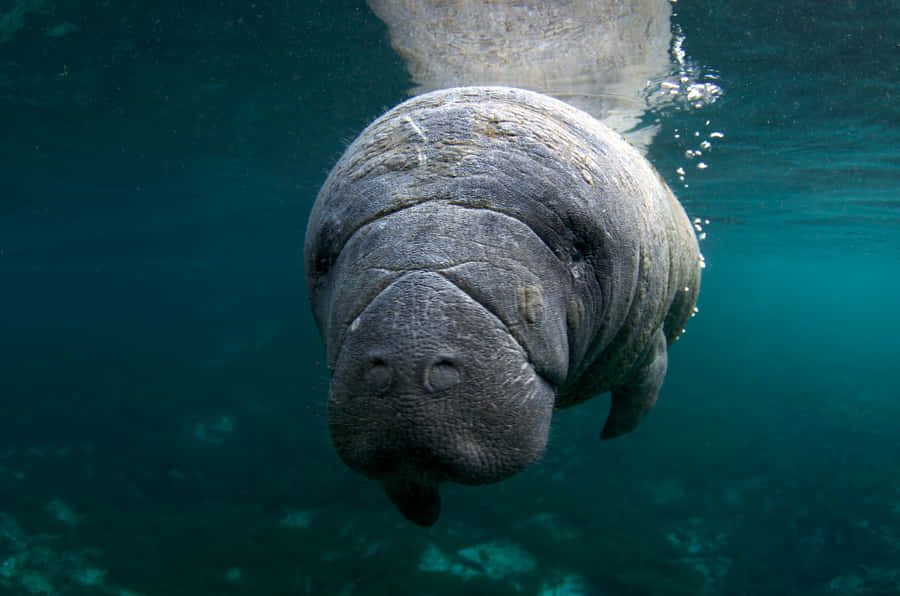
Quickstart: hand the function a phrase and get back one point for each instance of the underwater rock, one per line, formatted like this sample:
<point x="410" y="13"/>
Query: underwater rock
<point x="13" y="18"/>
<point x="62" y="29"/>
<point x="701" y="549"/>
<point x="40" y="564"/>
<point x="868" y="580"/>
<point x="567" y="585"/>
<point x="434" y="560"/>
<point x="552" y="525"/>
<point x="498" y="560"/>
<point x="214" y="431"/>
<point x="62" y="512"/>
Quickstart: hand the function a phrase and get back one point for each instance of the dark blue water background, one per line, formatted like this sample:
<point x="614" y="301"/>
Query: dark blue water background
<point x="161" y="380"/>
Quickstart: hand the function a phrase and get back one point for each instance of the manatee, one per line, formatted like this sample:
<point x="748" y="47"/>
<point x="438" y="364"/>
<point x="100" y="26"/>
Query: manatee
<point x="478" y="258"/>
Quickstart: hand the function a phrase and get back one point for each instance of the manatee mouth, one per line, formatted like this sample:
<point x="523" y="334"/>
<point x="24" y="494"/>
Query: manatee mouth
<point x="411" y="482"/>
<point x="431" y="387"/>
<point x="419" y="502"/>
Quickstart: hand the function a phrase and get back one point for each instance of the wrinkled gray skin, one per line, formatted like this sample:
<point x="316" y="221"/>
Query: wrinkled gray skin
<point x="479" y="257"/>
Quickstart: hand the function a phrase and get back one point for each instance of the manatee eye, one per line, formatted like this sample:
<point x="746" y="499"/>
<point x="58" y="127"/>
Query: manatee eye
<point x="578" y="263"/>
<point x="326" y="241"/>
<point x="323" y="264"/>
<point x="578" y="250"/>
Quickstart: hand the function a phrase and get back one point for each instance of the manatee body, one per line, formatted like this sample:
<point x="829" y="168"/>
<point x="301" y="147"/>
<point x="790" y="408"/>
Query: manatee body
<point x="481" y="256"/>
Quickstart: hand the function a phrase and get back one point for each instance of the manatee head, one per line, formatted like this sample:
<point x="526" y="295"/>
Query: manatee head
<point x="429" y="386"/>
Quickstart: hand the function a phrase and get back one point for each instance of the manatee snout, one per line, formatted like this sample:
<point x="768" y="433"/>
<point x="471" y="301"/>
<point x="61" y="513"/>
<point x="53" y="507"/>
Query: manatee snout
<point x="429" y="387"/>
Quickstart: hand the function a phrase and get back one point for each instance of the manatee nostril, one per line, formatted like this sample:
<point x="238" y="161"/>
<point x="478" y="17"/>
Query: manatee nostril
<point x="379" y="375"/>
<point x="441" y="375"/>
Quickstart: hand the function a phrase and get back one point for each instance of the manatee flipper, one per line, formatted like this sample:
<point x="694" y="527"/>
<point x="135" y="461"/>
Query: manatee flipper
<point x="419" y="503"/>
<point x="633" y="400"/>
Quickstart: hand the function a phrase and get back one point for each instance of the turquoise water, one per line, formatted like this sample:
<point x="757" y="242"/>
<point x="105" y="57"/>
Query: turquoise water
<point x="161" y="380"/>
